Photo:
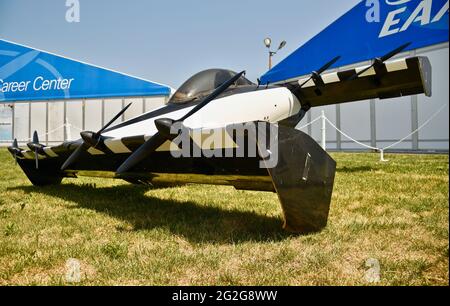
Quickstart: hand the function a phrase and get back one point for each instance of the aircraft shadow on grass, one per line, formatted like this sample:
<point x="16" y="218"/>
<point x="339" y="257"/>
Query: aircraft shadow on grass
<point x="358" y="169"/>
<point x="197" y="223"/>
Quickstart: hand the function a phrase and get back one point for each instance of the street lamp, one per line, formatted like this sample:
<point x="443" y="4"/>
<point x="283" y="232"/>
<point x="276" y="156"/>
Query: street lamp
<point x="268" y="43"/>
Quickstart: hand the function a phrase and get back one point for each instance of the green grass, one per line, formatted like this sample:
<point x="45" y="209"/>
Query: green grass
<point x="394" y="212"/>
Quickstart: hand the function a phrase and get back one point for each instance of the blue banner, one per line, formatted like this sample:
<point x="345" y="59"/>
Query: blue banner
<point x="371" y="29"/>
<point x="29" y="75"/>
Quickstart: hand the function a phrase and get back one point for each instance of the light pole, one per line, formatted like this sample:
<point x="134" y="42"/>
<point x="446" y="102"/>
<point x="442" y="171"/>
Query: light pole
<point x="268" y="43"/>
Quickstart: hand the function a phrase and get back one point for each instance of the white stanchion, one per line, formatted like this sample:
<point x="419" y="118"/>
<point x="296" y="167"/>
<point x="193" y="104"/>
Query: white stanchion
<point x="382" y="159"/>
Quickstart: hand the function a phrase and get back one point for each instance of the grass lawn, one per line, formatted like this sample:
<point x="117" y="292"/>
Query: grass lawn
<point x="396" y="213"/>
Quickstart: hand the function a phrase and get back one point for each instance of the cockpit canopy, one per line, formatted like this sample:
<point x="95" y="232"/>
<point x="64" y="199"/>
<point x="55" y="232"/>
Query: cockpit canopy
<point x="203" y="83"/>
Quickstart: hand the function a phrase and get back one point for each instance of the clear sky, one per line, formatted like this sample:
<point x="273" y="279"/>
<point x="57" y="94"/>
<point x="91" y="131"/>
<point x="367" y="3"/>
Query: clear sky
<point x="168" y="41"/>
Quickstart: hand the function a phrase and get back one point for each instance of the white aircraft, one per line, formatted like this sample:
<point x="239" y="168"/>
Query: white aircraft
<point x="138" y="150"/>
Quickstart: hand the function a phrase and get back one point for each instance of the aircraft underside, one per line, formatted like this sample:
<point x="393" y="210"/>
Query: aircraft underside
<point x="303" y="176"/>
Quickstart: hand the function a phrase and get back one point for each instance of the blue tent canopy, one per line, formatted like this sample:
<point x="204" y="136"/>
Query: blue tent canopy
<point x="27" y="74"/>
<point x="371" y="29"/>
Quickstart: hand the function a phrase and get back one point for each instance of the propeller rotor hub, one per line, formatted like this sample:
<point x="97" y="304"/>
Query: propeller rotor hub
<point x="90" y="138"/>
<point x="164" y="127"/>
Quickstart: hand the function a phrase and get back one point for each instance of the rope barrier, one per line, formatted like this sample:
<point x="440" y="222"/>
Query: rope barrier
<point x="324" y="119"/>
<point x="350" y="138"/>
<point x="383" y="150"/>
<point x="419" y="128"/>
<point x="311" y="123"/>
<point x="49" y="132"/>
<point x="73" y="126"/>
<point x="68" y="125"/>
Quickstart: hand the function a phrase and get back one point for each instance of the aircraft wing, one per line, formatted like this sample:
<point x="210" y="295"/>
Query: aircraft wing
<point x="397" y="78"/>
<point x="303" y="175"/>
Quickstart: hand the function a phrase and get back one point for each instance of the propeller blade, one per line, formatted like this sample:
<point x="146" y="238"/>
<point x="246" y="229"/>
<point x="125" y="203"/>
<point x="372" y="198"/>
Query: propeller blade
<point x="213" y="95"/>
<point x="356" y="75"/>
<point x="142" y="152"/>
<point x="114" y="119"/>
<point x="14" y="149"/>
<point x="323" y="69"/>
<point x="74" y="156"/>
<point x="158" y="140"/>
<point x="395" y="52"/>
<point x="304" y="83"/>
<point x="381" y="60"/>
<point x="328" y="65"/>
<point x="35" y="137"/>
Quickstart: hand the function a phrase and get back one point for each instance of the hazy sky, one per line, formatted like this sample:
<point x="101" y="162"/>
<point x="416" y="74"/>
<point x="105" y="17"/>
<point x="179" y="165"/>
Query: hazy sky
<point x="168" y="41"/>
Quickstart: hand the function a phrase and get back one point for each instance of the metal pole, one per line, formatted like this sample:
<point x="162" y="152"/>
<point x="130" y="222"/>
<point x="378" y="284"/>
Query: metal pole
<point x="415" y="117"/>
<point x="415" y="122"/>
<point x="68" y="130"/>
<point x="338" y="124"/>
<point x="29" y="120"/>
<point x="309" y="126"/>
<point x="65" y="120"/>
<point x="46" y="123"/>
<point x="324" y="131"/>
<point x="270" y="60"/>
<point x="13" y="120"/>
<point x="373" y="124"/>
<point x="103" y="112"/>
<point x="83" y="115"/>
<point x="123" y="106"/>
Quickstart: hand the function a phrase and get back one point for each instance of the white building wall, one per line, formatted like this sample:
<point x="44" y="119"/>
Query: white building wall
<point x="112" y="107"/>
<point x="74" y="118"/>
<point x="136" y="108"/>
<point x="38" y="120"/>
<point x="59" y="120"/>
<point x="92" y="115"/>
<point x="55" y="121"/>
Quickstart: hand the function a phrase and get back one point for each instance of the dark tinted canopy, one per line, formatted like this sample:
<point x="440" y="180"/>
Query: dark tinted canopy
<point x="203" y="83"/>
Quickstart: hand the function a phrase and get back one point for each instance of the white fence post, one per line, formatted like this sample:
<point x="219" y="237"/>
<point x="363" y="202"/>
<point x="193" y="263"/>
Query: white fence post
<point x="382" y="159"/>
<point x="324" y="131"/>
